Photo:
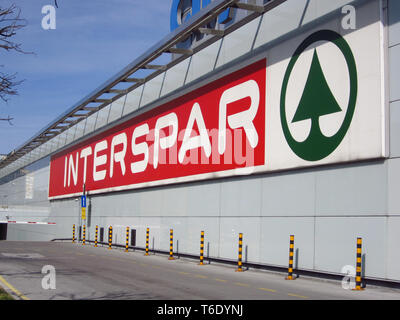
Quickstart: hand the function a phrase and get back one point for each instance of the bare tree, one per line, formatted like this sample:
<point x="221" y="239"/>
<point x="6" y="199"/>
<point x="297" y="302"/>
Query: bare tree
<point x="10" y="23"/>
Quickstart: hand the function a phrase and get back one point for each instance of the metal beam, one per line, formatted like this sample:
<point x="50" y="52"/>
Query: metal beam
<point x="90" y="108"/>
<point x="180" y="51"/>
<point x="101" y="101"/>
<point x="155" y="67"/>
<point x="134" y="80"/>
<point x="214" y="32"/>
<point x="249" y="7"/>
<point x="117" y="91"/>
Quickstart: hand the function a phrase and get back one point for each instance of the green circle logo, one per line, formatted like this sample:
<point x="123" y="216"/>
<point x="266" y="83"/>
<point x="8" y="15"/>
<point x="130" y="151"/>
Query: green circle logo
<point x="317" y="100"/>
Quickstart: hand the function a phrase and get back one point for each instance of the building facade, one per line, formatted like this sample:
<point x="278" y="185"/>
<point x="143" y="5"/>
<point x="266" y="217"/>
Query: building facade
<point x="311" y="87"/>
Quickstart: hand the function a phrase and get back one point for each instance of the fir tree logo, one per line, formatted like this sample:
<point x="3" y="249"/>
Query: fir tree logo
<point x="318" y="100"/>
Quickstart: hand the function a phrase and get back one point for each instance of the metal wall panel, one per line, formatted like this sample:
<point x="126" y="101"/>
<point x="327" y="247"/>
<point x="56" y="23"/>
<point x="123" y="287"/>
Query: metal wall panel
<point x="238" y="43"/>
<point x="288" y="194"/>
<point x="230" y="227"/>
<point x="241" y="197"/>
<point x="352" y="190"/>
<point x="152" y="90"/>
<point x="392" y="252"/>
<point x="336" y="238"/>
<point x="395" y="129"/>
<point x="394" y="62"/>
<point x="133" y="100"/>
<point x="393" y="186"/>
<point x="203" y="62"/>
<point x="175" y="77"/>
<point x="394" y="22"/>
<point x="275" y="236"/>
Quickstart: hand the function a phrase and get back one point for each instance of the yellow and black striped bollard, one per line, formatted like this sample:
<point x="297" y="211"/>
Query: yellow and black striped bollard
<point x="240" y="267"/>
<point x="291" y="250"/>
<point x="109" y="238"/>
<point x="171" y="245"/>
<point x="201" y="248"/>
<point x="73" y="233"/>
<point x="127" y="239"/>
<point x="147" y="241"/>
<point x="359" y="265"/>
<point x="95" y="236"/>
<point x="84" y="235"/>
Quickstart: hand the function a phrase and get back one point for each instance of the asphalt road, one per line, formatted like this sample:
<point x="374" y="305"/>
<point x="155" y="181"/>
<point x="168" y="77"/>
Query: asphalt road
<point x="88" y="273"/>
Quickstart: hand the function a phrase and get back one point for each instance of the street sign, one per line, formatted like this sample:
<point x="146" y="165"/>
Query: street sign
<point x="83" y="206"/>
<point x="83" y="201"/>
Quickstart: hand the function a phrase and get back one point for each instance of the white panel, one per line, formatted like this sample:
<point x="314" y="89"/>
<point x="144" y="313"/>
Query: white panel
<point x="90" y="123"/>
<point x="175" y="77"/>
<point x="152" y="90"/>
<point x="70" y="134"/>
<point x="102" y="117"/>
<point x="80" y="129"/>
<point x="279" y="21"/>
<point x="318" y="8"/>
<point x="133" y="100"/>
<point x="238" y="43"/>
<point x="116" y="109"/>
<point x="203" y="62"/>
<point x="62" y="139"/>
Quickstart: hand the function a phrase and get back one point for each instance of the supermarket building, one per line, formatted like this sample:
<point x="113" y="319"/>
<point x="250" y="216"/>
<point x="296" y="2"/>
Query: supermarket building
<point x="267" y="118"/>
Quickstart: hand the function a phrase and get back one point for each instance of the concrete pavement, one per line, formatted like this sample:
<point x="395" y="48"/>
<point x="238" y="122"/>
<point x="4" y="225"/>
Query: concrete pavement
<point x="88" y="273"/>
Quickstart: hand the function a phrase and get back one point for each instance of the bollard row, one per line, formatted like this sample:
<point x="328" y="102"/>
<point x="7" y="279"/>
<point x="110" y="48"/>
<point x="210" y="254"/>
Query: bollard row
<point x="147" y="241"/>
<point x="291" y="251"/>
<point x="290" y="276"/>
<point x="95" y="236"/>
<point x="127" y="240"/>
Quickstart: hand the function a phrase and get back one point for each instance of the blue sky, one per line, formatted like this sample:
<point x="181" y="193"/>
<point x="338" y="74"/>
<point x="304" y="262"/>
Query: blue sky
<point x="93" y="40"/>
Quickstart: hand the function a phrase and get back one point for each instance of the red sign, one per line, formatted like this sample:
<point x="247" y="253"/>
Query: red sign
<point x="218" y="128"/>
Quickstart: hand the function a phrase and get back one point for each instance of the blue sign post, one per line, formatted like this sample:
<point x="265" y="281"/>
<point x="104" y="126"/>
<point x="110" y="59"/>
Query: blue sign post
<point x="83" y="206"/>
<point x="83" y="201"/>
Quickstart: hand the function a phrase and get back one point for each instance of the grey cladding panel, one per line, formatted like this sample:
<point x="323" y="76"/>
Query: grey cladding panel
<point x="395" y="129"/>
<point x="394" y="22"/>
<point x="288" y="194"/>
<point x="394" y="63"/>
<point x="352" y="190"/>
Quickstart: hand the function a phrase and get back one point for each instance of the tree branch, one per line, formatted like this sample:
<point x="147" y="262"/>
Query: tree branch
<point x="10" y="23"/>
